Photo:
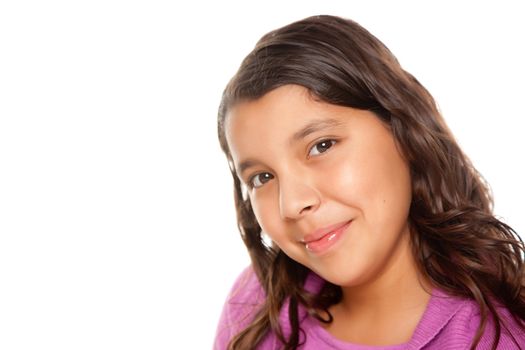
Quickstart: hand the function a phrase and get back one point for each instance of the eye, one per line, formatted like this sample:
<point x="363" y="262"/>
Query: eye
<point x="321" y="147"/>
<point x="260" y="179"/>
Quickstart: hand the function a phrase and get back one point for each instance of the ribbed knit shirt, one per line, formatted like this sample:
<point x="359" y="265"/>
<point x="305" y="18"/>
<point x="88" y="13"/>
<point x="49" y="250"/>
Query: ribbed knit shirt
<point x="448" y="322"/>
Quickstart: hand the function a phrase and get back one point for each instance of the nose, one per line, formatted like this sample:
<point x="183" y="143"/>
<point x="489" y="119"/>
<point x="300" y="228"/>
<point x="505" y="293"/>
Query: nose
<point x="297" y="197"/>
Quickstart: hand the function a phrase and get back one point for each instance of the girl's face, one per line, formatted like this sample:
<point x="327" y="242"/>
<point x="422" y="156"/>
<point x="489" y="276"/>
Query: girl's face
<point x="327" y="183"/>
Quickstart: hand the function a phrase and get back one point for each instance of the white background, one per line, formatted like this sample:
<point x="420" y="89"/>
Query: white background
<point x="117" y="226"/>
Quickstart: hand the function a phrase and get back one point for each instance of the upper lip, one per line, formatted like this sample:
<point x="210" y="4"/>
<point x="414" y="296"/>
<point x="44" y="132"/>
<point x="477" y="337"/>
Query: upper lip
<point x="321" y="232"/>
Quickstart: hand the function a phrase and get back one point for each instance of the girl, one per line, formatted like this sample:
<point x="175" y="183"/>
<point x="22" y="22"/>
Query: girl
<point x="367" y="226"/>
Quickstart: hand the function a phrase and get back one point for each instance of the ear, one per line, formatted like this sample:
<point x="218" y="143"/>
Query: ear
<point x="244" y="192"/>
<point x="267" y="241"/>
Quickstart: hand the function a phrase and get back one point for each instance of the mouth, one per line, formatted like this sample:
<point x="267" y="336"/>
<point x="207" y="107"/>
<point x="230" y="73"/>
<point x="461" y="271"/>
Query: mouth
<point x="321" y="240"/>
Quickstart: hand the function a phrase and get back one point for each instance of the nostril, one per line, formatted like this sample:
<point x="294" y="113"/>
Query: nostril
<point x="297" y="198"/>
<point x="307" y="208"/>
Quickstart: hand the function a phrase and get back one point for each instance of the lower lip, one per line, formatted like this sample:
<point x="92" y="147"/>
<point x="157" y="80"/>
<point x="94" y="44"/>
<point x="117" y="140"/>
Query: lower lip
<point x="323" y="244"/>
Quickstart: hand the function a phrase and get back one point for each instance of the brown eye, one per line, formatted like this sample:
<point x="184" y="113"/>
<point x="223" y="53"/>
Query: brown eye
<point x="260" y="179"/>
<point x="321" y="147"/>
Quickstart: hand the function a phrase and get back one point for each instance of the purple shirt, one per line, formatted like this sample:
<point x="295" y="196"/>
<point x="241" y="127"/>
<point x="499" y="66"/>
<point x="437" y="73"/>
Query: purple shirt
<point x="448" y="322"/>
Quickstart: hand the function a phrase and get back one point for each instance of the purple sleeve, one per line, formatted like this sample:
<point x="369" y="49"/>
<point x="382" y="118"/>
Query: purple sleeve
<point x="243" y="301"/>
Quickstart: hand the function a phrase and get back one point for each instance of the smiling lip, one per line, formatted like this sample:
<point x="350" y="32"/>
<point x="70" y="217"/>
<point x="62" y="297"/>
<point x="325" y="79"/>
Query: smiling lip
<point x="322" y="239"/>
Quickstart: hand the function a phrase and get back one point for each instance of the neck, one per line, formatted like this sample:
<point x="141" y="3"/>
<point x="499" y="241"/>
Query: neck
<point x="387" y="309"/>
<point x="399" y="288"/>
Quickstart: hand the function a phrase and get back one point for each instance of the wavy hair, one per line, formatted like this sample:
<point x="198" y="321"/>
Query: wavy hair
<point x="456" y="240"/>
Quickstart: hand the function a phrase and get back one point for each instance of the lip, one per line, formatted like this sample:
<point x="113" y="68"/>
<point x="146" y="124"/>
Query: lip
<point x="319" y="233"/>
<point x="324" y="238"/>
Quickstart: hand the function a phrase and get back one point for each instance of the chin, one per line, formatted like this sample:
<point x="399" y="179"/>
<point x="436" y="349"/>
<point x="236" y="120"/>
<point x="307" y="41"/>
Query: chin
<point x="343" y="280"/>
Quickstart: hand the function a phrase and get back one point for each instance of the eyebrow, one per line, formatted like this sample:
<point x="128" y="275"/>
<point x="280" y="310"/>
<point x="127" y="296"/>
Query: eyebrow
<point x="314" y="126"/>
<point x="308" y="129"/>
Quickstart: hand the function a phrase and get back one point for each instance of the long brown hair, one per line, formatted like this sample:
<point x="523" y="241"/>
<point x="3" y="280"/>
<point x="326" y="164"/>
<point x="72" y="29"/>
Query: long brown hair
<point x="457" y="241"/>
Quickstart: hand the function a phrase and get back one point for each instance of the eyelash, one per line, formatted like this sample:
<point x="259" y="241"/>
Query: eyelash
<point x="332" y="142"/>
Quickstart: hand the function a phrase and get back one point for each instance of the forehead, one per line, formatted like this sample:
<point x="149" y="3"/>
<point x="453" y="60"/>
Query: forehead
<point x="278" y="113"/>
<point x="272" y="125"/>
<point x="282" y="101"/>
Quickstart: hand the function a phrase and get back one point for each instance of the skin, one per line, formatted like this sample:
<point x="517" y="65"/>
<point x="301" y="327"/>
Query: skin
<point x="349" y="170"/>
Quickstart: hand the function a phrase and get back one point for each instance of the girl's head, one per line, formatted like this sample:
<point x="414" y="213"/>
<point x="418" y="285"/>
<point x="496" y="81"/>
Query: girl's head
<point x="311" y="168"/>
<point x="328" y="63"/>
<point x="323" y="129"/>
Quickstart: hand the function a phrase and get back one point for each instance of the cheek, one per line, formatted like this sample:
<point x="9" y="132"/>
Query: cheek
<point x="388" y="190"/>
<point x="375" y="183"/>
<point x="267" y="216"/>
<point x="350" y="179"/>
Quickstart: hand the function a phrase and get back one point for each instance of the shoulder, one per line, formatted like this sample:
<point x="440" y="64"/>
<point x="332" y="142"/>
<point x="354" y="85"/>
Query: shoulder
<point x="512" y="332"/>
<point x="459" y="319"/>
<point x="245" y="298"/>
